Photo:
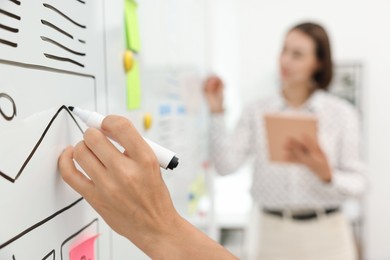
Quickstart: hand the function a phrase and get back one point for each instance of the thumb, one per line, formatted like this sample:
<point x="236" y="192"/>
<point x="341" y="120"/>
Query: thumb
<point x="311" y="144"/>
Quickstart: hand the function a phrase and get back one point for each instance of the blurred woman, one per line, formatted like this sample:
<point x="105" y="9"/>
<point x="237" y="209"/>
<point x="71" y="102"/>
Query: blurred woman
<point x="300" y="202"/>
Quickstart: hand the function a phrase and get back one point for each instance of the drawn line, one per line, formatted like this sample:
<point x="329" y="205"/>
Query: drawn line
<point x="49" y="24"/>
<point x="81" y="1"/>
<point x="14" y="112"/>
<point x="52" y="253"/>
<point x="49" y="69"/>
<point x="54" y="57"/>
<point x="15" y="2"/>
<point x="12" y="44"/>
<point x="40" y="223"/>
<point x="47" y="39"/>
<point x="13" y="180"/>
<point x="13" y="257"/>
<point x="17" y="17"/>
<point x="64" y="15"/>
<point x="82" y="41"/>
<point x="39" y="67"/>
<point x="78" y="232"/>
<point x="9" y="28"/>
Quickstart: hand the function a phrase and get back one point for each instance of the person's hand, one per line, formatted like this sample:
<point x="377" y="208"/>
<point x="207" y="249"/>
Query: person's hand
<point x="309" y="153"/>
<point x="128" y="191"/>
<point x="213" y="90"/>
<point x="127" y="188"/>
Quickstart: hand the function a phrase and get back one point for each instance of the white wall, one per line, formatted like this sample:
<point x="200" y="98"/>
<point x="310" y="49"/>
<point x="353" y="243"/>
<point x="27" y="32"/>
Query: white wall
<point x="224" y="50"/>
<point x="359" y="31"/>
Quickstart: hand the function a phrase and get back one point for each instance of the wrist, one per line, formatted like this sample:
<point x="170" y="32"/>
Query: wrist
<point x="155" y="236"/>
<point x="171" y="240"/>
<point x="183" y="241"/>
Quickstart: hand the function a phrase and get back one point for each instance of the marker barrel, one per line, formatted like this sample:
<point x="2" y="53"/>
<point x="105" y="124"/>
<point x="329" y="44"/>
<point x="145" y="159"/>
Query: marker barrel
<point x="166" y="158"/>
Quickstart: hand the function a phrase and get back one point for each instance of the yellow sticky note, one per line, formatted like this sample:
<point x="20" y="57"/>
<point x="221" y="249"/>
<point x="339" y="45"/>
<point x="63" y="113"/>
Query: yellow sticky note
<point x="133" y="88"/>
<point x="197" y="190"/>
<point x="131" y="24"/>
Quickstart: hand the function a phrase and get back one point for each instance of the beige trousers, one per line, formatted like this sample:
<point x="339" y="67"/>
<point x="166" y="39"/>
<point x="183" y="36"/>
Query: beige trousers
<point x="328" y="237"/>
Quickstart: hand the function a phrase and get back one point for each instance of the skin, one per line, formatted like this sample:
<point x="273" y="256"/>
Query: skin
<point x="298" y="63"/>
<point x="128" y="191"/>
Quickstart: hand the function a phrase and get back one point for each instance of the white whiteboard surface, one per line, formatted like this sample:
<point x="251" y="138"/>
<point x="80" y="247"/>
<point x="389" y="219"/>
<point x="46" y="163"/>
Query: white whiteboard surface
<point x="46" y="69"/>
<point x="33" y="195"/>
<point x="52" y="57"/>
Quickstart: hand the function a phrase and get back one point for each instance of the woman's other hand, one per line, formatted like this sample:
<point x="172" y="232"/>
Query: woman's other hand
<point x="309" y="153"/>
<point x="213" y="89"/>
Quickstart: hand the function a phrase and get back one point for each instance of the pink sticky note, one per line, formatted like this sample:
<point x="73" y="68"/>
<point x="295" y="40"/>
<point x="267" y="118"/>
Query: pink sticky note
<point x="84" y="251"/>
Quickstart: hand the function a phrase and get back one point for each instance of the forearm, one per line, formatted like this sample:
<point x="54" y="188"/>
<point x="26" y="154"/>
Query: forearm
<point x="184" y="241"/>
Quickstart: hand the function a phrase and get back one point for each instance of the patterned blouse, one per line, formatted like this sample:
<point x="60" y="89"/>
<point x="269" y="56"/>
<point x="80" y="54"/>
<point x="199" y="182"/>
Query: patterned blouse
<point x="293" y="186"/>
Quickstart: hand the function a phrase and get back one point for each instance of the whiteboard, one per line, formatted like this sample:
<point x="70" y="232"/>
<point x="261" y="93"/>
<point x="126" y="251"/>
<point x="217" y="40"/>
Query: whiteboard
<point x="51" y="56"/>
<point x="57" y="53"/>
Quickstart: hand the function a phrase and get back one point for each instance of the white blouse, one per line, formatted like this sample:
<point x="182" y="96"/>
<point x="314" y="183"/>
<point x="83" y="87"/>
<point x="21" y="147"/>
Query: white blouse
<point x="294" y="186"/>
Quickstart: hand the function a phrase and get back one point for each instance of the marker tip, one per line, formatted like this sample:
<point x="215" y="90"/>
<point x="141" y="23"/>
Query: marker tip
<point x="71" y="108"/>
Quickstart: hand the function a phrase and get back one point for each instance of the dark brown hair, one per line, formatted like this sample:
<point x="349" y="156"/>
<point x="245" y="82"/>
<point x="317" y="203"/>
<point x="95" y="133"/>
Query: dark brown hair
<point x="323" y="75"/>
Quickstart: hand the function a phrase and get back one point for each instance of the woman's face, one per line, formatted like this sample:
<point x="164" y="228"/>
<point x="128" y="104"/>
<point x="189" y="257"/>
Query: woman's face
<point x="298" y="61"/>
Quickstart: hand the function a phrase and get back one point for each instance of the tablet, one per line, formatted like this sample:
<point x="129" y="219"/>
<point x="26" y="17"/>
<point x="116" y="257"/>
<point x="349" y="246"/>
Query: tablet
<point x="280" y="127"/>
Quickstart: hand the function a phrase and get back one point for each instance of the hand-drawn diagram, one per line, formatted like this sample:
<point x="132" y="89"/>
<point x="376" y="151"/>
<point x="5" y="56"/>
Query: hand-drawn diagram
<point x="13" y="179"/>
<point x="25" y="163"/>
<point x="35" y="200"/>
<point x="4" y="114"/>
<point x="50" y="256"/>
<point x="91" y="227"/>
<point x="63" y="30"/>
<point x="12" y="25"/>
<point x="57" y="28"/>
<point x="52" y="53"/>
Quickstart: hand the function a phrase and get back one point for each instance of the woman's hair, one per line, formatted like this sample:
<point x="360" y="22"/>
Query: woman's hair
<point x="323" y="75"/>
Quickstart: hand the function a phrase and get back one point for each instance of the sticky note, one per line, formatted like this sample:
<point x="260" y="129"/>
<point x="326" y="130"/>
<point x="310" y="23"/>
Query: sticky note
<point x="197" y="190"/>
<point x="133" y="88"/>
<point x="84" y="251"/>
<point x="131" y="24"/>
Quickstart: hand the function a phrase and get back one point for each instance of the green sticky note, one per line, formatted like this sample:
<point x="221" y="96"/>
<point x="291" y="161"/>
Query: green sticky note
<point x="131" y="24"/>
<point x="133" y="88"/>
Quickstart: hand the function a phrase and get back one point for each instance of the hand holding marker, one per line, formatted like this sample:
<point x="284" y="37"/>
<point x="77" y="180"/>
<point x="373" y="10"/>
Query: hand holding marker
<point x="166" y="158"/>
